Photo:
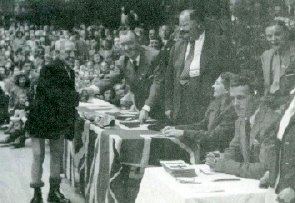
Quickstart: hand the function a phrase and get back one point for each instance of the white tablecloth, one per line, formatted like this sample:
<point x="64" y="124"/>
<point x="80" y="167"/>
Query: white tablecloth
<point x="157" y="186"/>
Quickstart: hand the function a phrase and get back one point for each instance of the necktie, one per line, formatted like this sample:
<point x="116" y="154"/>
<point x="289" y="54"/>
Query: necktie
<point x="68" y="71"/>
<point x="245" y="129"/>
<point x="184" y="77"/>
<point x="135" y="65"/>
<point x="275" y="76"/>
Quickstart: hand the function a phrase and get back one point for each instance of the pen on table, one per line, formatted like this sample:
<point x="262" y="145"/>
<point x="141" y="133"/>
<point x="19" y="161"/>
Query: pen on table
<point x="226" y="179"/>
<point x="217" y="191"/>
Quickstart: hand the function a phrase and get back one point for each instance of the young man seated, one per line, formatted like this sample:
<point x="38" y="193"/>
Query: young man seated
<point x="252" y="147"/>
<point x="216" y="130"/>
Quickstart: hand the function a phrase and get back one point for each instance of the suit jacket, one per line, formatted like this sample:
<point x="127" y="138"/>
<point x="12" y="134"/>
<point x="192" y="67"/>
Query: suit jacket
<point x="286" y="162"/>
<point x="254" y="159"/>
<point x="214" y="60"/>
<point x="52" y="110"/>
<point x="287" y="68"/>
<point x="145" y="81"/>
<point x="216" y="130"/>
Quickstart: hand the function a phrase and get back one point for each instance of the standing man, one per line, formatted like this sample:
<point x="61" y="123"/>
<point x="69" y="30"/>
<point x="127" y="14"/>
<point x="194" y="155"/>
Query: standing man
<point x="140" y="66"/>
<point x="196" y="61"/>
<point x="52" y="115"/>
<point x="282" y="174"/>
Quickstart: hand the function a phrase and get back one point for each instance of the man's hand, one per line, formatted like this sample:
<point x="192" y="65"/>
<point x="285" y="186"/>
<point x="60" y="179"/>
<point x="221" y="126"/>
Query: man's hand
<point x="264" y="181"/>
<point x="168" y="114"/>
<point x="143" y="116"/>
<point x="286" y="196"/>
<point x="172" y="132"/>
<point x="212" y="159"/>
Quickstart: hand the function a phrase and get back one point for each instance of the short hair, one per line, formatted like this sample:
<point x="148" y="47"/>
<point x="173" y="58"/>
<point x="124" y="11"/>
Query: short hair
<point x="194" y="15"/>
<point x="18" y="76"/>
<point x="127" y="32"/>
<point x="278" y="23"/>
<point x="226" y="78"/>
<point x="243" y="79"/>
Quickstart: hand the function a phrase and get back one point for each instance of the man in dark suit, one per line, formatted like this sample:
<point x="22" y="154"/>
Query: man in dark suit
<point x="196" y="61"/>
<point x="282" y="174"/>
<point x="52" y="116"/>
<point x="141" y="68"/>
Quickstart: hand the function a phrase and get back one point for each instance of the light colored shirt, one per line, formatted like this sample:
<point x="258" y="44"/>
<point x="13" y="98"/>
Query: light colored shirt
<point x="283" y="125"/>
<point x="137" y="59"/>
<point x="195" y="65"/>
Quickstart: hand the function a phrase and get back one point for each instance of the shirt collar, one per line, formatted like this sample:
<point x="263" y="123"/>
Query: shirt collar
<point x="201" y="37"/>
<point x="137" y="59"/>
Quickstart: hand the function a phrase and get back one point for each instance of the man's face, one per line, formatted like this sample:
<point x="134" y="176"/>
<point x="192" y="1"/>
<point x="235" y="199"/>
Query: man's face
<point x="129" y="45"/>
<point x="152" y="34"/>
<point x="189" y="29"/>
<point x="165" y="32"/>
<point x="276" y="36"/>
<point x="27" y="67"/>
<point x="107" y="95"/>
<point x="22" y="81"/>
<point x="240" y="97"/>
<point x="2" y="72"/>
<point x="22" y="99"/>
<point x="155" y="44"/>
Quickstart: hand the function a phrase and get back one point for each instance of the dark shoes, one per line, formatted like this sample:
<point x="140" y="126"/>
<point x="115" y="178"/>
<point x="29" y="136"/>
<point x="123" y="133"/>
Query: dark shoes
<point x="37" y="197"/>
<point x="20" y="142"/>
<point x="56" y="196"/>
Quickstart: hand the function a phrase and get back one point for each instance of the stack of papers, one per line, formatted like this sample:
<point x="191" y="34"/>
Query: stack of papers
<point x="178" y="168"/>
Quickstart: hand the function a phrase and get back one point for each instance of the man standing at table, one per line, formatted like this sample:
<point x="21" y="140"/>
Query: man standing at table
<point x="252" y="147"/>
<point x="282" y="173"/>
<point x="140" y="66"/>
<point x="196" y="60"/>
<point x="52" y="116"/>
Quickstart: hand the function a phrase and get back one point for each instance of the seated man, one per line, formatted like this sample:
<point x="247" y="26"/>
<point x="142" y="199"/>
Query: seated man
<point x="252" y="147"/>
<point x="216" y="130"/>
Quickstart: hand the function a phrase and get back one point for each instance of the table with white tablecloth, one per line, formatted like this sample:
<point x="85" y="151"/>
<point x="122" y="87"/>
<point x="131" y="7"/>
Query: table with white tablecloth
<point x="159" y="186"/>
<point x="94" y="160"/>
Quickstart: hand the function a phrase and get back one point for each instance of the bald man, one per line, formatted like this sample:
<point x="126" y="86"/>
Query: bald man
<point x="140" y="66"/>
<point x="196" y="60"/>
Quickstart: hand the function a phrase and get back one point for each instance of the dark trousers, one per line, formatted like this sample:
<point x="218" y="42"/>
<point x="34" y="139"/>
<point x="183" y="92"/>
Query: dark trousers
<point x="193" y="103"/>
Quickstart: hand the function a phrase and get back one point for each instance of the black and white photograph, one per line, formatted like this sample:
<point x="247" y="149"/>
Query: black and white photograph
<point x="147" y="101"/>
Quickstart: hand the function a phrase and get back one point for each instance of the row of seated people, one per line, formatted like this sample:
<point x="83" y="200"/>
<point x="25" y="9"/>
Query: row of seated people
<point x="244" y="130"/>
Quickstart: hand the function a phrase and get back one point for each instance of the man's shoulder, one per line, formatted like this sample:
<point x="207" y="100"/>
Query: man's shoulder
<point x="267" y="53"/>
<point x="149" y="53"/>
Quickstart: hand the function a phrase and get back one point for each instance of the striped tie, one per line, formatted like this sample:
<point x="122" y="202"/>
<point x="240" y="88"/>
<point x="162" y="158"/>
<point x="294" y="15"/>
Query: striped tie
<point x="184" y="77"/>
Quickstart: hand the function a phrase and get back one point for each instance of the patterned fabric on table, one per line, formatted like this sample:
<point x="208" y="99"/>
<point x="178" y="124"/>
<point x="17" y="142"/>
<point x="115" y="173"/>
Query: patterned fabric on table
<point x="103" y="152"/>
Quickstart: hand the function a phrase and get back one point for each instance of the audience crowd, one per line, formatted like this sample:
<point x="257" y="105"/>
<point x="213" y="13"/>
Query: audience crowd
<point x="249" y="101"/>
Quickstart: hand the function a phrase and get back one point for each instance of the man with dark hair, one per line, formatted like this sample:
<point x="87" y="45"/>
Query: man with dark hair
<point x="252" y="147"/>
<point x="196" y="60"/>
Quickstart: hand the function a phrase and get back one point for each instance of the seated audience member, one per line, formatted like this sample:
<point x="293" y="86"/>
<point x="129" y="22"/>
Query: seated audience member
<point x="216" y="130"/>
<point x="4" y="100"/>
<point x="22" y="86"/>
<point x="155" y="43"/>
<point x="17" y="122"/>
<point x="279" y="59"/>
<point x="152" y="34"/>
<point x="252" y="147"/>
